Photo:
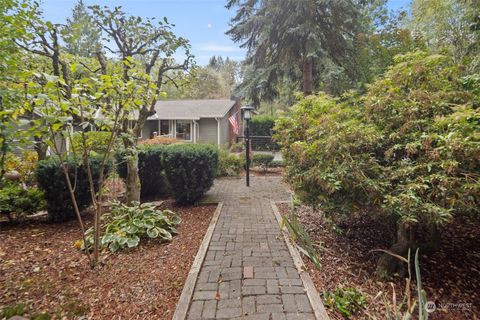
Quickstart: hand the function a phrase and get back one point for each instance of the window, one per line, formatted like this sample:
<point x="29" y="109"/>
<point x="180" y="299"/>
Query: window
<point x="164" y="127"/>
<point x="184" y="130"/>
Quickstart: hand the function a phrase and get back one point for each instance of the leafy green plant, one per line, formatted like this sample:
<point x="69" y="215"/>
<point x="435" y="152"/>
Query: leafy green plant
<point x="52" y="182"/>
<point x="96" y="141"/>
<point x="125" y="225"/>
<point x="301" y="237"/>
<point x="264" y="161"/>
<point x="348" y="301"/>
<point x="229" y="164"/>
<point x="13" y="310"/>
<point x="190" y="170"/>
<point x="17" y="201"/>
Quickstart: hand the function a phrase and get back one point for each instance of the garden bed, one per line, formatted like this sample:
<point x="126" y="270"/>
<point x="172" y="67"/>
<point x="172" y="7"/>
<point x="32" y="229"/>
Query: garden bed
<point x="450" y="276"/>
<point x="41" y="269"/>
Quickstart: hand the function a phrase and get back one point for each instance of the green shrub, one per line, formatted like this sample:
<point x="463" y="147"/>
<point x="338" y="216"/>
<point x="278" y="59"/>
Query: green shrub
<point x="229" y="164"/>
<point x="190" y="170"/>
<point x="277" y="164"/>
<point x="263" y="161"/>
<point x="237" y="147"/>
<point x="262" y="125"/>
<point x="126" y="225"/>
<point x="408" y="148"/>
<point x="17" y="201"/>
<point x="51" y="180"/>
<point x="348" y="301"/>
<point x="150" y="169"/>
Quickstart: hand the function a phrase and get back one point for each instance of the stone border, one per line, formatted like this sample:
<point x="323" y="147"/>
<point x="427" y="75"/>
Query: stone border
<point x="184" y="302"/>
<point x="312" y="293"/>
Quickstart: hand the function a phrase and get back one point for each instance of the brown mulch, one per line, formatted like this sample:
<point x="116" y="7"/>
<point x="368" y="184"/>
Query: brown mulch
<point x="450" y="276"/>
<point x="40" y="267"/>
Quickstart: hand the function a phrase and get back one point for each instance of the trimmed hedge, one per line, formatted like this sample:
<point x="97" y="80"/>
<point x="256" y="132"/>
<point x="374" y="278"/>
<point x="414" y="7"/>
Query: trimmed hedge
<point x="190" y="169"/>
<point x="185" y="171"/>
<point x="262" y="125"/>
<point x="51" y="181"/>
<point x="263" y="161"/>
<point x="150" y="169"/>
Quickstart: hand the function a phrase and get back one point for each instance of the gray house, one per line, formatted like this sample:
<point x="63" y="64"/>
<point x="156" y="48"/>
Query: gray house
<point x="194" y="121"/>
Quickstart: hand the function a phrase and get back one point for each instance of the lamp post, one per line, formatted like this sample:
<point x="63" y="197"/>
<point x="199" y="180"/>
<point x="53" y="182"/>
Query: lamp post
<point x="247" y="115"/>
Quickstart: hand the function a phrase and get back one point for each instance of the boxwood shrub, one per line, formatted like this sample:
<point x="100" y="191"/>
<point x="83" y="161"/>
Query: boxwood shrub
<point x="150" y="169"/>
<point x="51" y="181"/>
<point x="190" y="169"/>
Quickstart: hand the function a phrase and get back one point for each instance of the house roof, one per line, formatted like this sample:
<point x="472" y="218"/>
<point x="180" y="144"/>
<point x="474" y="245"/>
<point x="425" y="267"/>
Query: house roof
<point x="192" y="109"/>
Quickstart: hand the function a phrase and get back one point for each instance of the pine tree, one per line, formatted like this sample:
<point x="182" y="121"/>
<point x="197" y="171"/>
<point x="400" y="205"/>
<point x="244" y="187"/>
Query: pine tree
<point x="82" y="36"/>
<point x="289" y="37"/>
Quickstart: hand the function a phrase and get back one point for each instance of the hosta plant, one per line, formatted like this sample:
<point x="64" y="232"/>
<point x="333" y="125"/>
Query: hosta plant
<point x="125" y="225"/>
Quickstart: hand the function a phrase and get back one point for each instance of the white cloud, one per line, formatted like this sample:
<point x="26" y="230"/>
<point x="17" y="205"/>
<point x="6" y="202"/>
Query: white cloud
<point x="217" y="47"/>
<point x="209" y="25"/>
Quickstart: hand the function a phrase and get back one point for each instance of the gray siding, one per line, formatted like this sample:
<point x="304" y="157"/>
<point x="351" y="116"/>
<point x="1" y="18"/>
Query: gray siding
<point x="149" y="127"/>
<point x="224" y="131"/>
<point x="207" y="130"/>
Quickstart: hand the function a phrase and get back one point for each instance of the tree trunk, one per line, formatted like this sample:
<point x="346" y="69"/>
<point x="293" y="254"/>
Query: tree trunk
<point x="40" y="148"/>
<point x="307" y="76"/>
<point x="133" y="179"/>
<point x="387" y="264"/>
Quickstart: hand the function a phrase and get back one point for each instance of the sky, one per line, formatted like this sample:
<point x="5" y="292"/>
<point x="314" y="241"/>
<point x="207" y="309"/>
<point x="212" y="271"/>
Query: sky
<point x="202" y="22"/>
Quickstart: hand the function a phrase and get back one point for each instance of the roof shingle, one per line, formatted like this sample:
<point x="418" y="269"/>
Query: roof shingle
<point x="192" y="109"/>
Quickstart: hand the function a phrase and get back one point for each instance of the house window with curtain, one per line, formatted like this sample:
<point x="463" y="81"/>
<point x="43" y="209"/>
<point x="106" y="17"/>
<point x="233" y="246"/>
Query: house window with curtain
<point x="184" y="130"/>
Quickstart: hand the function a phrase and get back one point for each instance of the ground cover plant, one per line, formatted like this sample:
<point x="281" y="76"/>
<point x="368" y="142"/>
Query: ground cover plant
<point x="125" y="225"/>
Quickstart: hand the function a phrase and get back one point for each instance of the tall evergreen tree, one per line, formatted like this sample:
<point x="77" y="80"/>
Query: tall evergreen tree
<point x="290" y="37"/>
<point x="82" y="35"/>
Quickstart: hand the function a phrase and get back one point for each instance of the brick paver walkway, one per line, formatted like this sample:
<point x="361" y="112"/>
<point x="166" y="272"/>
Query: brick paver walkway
<point x="248" y="272"/>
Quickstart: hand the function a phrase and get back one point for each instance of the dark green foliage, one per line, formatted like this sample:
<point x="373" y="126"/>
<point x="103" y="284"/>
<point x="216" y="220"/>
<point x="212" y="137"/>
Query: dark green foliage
<point x="262" y="160"/>
<point x="150" y="169"/>
<point x="51" y="180"/>
<point x="285" y="39"/>
<point x="190" y="169"/>
<point x="185" y="171"/>
<point x="16" y="201"/>
<point x="230" y="164"/>
<point x="262" y="125"/>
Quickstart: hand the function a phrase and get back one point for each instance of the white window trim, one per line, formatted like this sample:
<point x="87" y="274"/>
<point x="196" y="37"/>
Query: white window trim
<point x="191" y="133"/>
